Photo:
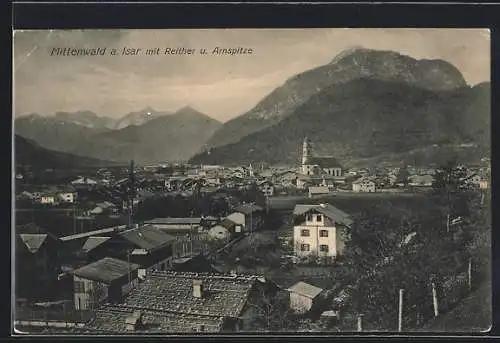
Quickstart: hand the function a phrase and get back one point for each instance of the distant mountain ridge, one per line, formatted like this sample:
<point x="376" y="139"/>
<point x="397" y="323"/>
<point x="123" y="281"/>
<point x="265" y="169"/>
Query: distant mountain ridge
<point x="349" y="65"/>
<point x="55" y="133"/>
<point x="138" y="118"/>
<point x="367" y="118"/>
<point x="147" y="136"/>
<point x="28" y="152"/>
<point x="91" y="120"/>
<point x="85" y="118"/>
<point x="175" y="137"/>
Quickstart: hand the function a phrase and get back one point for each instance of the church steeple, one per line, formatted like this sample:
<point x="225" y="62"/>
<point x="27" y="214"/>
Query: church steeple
<point x="306" y="154"/>
<point x="250" y="170"/>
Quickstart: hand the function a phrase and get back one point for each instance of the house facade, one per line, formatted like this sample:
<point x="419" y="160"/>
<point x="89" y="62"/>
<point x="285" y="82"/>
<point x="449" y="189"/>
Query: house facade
<point x="322" y="231"/>
<point x="106" y="280"/>
<point x="267" y="188"/>
<point x="48" y="199"/>
<point x="303" y="296"/>
<point x="84" y="181"/>
<point x="225" y="230"/>
<point x="68" y="197"/>
<point x="249" y="216"/>
<point x="318" y="191"/>
<point x="364" y="185"/>
<point x="421" y="180"/>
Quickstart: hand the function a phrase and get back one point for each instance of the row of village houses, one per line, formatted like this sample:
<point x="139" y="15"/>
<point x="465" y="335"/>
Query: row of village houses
<point x="269" y="182"/>
<point x="134" y="280"/>
<point x="34" y="242"/>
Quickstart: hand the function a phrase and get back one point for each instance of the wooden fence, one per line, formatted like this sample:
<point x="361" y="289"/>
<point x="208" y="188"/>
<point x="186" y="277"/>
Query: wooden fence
<point x="52" y="315"/>
<point x="190" y="246"/>
<point x="448" y="292"/>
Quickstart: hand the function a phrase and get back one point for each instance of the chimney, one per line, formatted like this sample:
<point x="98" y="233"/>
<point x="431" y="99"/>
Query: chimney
<point x="197" y="288"/>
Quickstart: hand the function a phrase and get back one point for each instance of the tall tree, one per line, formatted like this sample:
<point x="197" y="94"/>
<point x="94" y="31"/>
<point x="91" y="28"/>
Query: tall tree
<point x="403" y="176"/>
<point x="271" y="312"/>
<point x="374" y="236"/>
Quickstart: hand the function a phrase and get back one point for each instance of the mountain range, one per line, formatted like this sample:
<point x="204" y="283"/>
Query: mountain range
<point x="349" y="65"/>
<point x="28" y="152"/>
<point x="364" y="105"/>
<point x="173" y="137"/>
<point x="145" y="136"/>
<point x="367" y="118"/>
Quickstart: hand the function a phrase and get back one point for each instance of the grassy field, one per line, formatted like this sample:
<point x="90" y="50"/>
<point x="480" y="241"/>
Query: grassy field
<point x="473" y="314"/>
<point x="347" y="201"/>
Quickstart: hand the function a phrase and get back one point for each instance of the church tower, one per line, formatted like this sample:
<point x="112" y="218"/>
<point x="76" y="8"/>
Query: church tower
<point x="306" y="154"/>
<point x="250" y="171"/>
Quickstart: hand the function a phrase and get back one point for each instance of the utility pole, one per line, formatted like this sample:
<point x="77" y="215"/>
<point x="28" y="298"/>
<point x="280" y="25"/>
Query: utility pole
<point x="360" y="323"/>
<point x="74" y="217"/>
<point x="191" y="233"/>
<point x="131" y="193"/>
<point x="400" y="312"/>
<point x="469" y="272"/>
<point x="251" y="219"/>
<point x="435" y="299"/>
<point x="129" y="272"/>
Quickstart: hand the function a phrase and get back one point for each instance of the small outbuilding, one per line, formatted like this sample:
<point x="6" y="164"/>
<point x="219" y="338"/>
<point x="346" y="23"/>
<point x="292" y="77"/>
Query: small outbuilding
<point x="303" y="296"/>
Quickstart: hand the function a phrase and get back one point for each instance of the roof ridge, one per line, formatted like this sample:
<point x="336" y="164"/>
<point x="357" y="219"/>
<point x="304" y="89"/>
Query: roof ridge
<point x="241" y="277"/>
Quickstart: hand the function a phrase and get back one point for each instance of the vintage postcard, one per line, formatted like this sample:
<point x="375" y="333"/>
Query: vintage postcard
<point x="251" y="180"/>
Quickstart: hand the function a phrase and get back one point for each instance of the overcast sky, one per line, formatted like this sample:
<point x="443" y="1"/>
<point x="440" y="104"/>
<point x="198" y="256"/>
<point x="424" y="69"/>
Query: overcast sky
<point x="220" y="86"/>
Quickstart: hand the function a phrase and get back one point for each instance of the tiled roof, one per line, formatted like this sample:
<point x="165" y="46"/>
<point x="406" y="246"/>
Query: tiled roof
<point x="147" y="237"/>
<point x="224" y="296"/>
<point x="324" y="162"/>
<point x="111" y="319"/>
<point x="362" y="180"/>
<point x="93" y="242"/>
<point x="185" y="221"/>
<point x="106" y="270"/>
<point x="94" y="233"/>
<point x="328" y="210"/>
<point x="302" y="209"/>
<point x="248" y="208"/>
<point x="305" y="289"/>
<point x="227" y="223"/>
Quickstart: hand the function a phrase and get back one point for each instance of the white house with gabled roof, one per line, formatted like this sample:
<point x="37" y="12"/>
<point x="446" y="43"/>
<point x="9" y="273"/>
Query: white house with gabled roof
<point x="323" y="230"/>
